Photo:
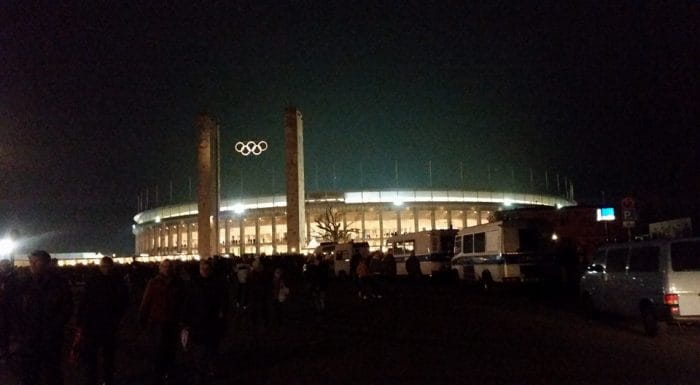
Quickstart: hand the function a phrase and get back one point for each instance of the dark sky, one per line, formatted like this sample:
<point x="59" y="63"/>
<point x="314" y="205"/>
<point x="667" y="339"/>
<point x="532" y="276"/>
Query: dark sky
<point x="97" y="104"/>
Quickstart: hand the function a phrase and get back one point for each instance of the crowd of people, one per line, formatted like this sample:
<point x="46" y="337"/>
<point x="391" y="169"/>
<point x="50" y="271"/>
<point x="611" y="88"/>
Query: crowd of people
<point x="51" y="316"/>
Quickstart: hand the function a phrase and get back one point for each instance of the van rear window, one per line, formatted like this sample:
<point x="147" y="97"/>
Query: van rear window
<point x="685" y="256"/>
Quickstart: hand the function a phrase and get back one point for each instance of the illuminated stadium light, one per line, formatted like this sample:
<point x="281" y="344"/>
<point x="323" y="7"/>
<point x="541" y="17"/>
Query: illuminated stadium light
<point x="507" y="202"/>
<point x="7" y="246"/>
<point x="239" y="209"/>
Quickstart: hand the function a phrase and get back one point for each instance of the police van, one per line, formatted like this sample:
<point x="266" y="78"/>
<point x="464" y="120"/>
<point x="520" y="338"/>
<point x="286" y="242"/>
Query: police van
<point x="341" y="253"/>
<point x="433" y="248"/>
<point x="512" y="252"/>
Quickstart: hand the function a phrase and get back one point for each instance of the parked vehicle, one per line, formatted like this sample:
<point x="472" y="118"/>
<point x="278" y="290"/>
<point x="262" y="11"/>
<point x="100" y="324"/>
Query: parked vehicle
<point x="340" y="254"/>
<point x="655" y="280"/>
<point x="433" y="248"/>
<point x="502" y="252"/>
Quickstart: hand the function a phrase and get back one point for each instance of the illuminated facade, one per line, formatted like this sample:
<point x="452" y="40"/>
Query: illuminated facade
<point x="258" y="225"/>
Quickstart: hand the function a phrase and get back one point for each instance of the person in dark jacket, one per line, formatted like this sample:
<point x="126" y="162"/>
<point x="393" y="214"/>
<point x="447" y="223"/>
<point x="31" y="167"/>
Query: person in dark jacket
<point x="160" y="314"/>
<point x="319" y="274"/>
<point x="45" y="306"/>
<point x="8" y="301"/>
<point x="203" y="320"/>
<point x="260" y="292"/>
<point x="280" y="294"/>
<point x="413" y="267"/>
<point x="8" y="294"/>
<point x="99" y="314"/>
<point x="355" y="260"/>
<point x="389" y="266"/>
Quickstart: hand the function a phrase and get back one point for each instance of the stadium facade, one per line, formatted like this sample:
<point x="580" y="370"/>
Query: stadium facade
<point x="258" y="224"/>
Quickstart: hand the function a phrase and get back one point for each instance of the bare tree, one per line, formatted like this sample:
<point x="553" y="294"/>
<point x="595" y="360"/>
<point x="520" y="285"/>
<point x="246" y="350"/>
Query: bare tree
<point x="333" y="227"/>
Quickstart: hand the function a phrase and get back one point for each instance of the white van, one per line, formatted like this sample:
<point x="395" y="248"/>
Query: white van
<point x="654" y="280"/>
<point x="501" y="252"/>
<point x="341" y="253"/>
<point x="433" y="248"/>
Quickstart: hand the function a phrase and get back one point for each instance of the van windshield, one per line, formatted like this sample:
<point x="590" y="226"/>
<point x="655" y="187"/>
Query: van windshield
<point x="685" y="256"/>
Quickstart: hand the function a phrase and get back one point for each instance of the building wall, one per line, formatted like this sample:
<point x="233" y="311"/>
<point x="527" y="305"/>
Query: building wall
<point x="264" y="230"/>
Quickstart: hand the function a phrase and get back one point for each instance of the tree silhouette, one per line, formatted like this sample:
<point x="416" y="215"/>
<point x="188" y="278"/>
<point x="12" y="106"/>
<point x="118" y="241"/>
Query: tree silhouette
<point x="333" y="227"/>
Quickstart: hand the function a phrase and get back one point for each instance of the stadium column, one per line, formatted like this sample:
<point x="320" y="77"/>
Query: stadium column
<point x="381" y="230"/>
<point x="362" y="226"/>
<point x="257" y="236"/>
<point x="294" y="172"/>
<point x="449" y="218"/>
<point x="432" y="219"/>
<point x="188" y="231"/>
<point x="227" y="234"/>
<point x="416" y="212"/>
<point x="308" y="227"/>
<point x="163" y="239"/>
<point x="478" y="217"/>
<point x="398" y="221"/>
<point x="273" y="223"/>
<point x="207" y="186"/>
<point x="181" y="241"/>
<point x="168" y="240"/>
<point x="242" y="240"/>
<point x="159" y="246"/>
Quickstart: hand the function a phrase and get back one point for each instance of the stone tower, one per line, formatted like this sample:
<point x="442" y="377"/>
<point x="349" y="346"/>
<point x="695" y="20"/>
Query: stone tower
<point x="207" y="186"/>
<point x="294" y="170"/>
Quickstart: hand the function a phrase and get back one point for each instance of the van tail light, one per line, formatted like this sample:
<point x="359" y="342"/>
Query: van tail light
<point x="671" y="299"/>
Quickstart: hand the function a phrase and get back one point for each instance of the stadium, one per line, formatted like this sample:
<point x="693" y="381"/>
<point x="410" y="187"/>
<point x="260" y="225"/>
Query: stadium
<point x="257" y="225"/>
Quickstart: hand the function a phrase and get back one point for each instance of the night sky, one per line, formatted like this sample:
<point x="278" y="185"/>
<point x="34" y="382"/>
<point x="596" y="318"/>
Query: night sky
<point x="97" y="104"/>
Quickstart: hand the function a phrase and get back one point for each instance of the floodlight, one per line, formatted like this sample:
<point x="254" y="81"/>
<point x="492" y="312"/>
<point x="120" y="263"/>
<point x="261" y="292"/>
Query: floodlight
<point x="7" y="246"/>
<point x="239" y="209"/>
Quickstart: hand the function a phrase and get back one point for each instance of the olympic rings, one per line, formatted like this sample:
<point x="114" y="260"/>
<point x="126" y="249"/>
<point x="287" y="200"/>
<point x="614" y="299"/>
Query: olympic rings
<point x="251" y="147"/>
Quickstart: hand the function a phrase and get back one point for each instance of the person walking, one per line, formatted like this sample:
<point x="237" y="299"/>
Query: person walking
<point x="355" y="260"/>
<point x="389" y="266"/>
<point x="159" y="314"/>
<point x="260" y="289"/>
<point x="280" y="294"/>
<point x="242" y="270"/>
<point x="319" y="275"/>
<point x="44" y="308"/>
<point x="363" y="277"/>
<point x="413" y="267"/>
<point x="8" y="294"/>
<point x="203" y="320"/>
<point x="99" y="314"/>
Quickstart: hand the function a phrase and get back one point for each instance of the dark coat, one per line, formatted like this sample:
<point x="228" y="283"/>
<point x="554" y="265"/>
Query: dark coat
<point x="9" y="285"/>
<point x="389" y="265"/>
<point x="162" y="301"/>
<point x="103" y="305"/>
<point x="205" y="309"/>
<point x="45" y="306"/>
<point x="318" y="276"/>
<point x="413" y="266"/>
